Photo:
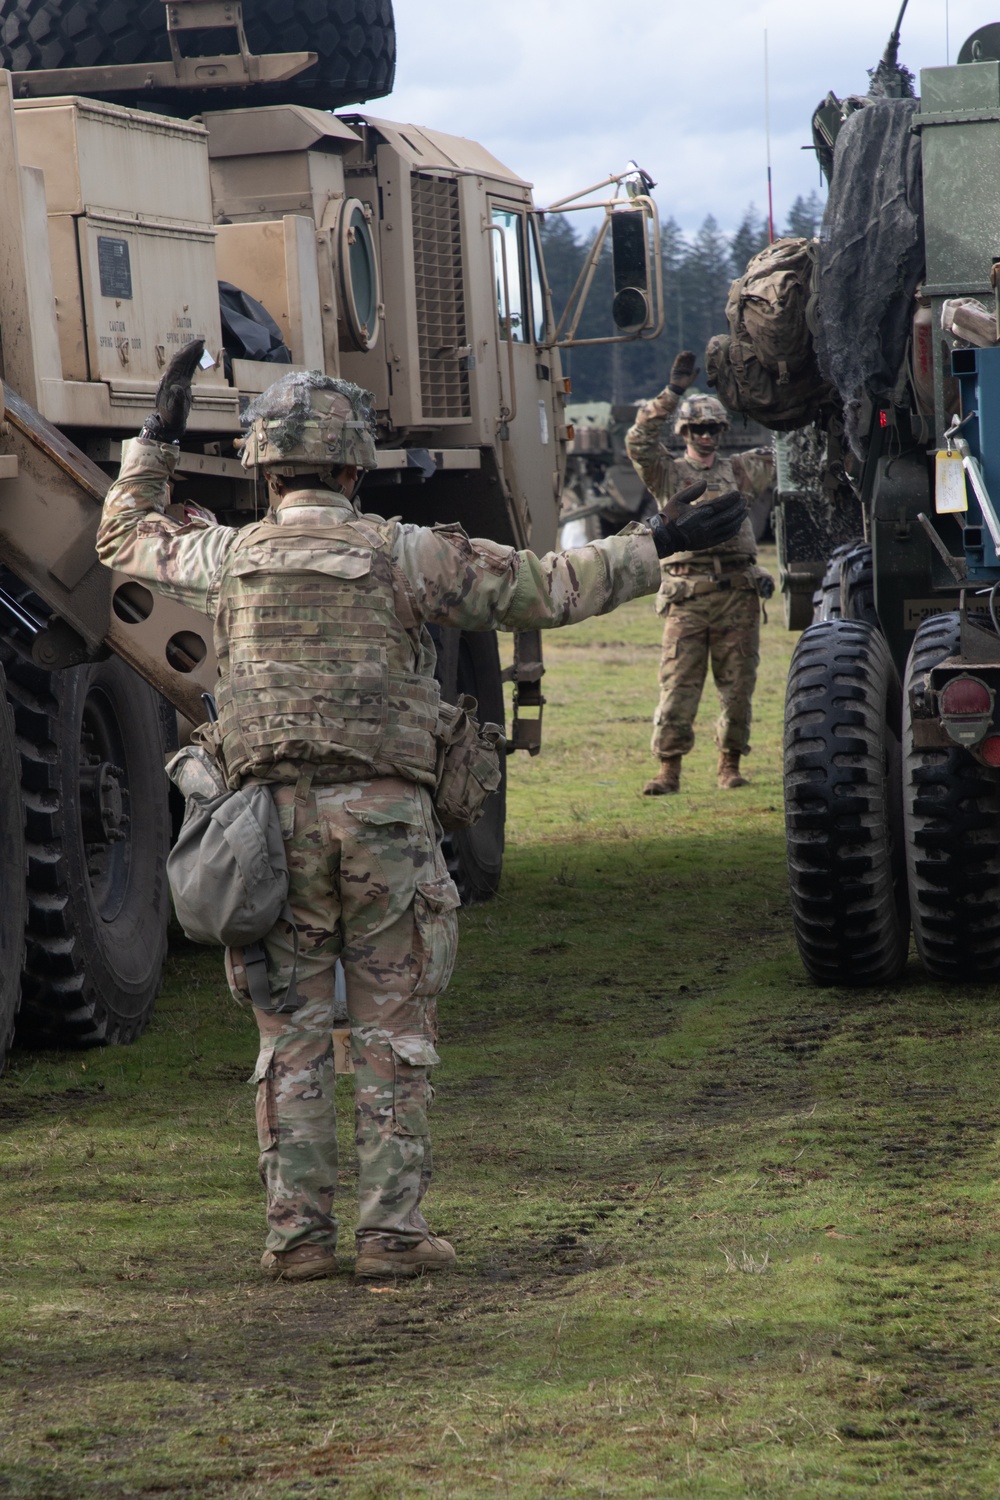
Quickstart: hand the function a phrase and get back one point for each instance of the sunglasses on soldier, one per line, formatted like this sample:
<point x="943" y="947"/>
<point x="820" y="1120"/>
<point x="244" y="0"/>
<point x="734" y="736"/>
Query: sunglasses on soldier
<point x="705" y="429"/>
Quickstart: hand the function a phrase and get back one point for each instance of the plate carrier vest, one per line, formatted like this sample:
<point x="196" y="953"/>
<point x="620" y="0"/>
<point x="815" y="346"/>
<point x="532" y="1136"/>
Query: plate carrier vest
<point x="315" y="666"/>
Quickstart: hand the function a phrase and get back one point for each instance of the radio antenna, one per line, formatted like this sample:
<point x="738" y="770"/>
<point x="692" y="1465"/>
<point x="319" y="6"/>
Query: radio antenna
<point x="767" y="137"/>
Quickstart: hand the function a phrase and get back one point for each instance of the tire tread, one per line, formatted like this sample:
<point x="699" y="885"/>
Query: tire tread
<point x="847" y="889"/>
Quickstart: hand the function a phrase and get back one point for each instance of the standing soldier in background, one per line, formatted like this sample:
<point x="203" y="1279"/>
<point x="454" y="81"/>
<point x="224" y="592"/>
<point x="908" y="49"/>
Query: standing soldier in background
<point x="710" y="599"/>
<point x="327" y="693"/>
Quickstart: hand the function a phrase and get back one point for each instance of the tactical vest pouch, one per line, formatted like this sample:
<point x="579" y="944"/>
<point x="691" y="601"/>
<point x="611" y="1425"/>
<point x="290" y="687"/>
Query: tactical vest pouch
<point x="227" y="871"/>
<point x="468" y="764"/>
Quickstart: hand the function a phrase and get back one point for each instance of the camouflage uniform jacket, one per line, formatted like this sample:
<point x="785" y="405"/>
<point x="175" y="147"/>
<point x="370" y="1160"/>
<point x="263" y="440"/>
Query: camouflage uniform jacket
<point x="439" y="575"/>
<point x="664" y="474"/>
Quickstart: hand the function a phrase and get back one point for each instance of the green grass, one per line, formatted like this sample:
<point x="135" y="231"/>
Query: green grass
<point x="720" y="1233"/>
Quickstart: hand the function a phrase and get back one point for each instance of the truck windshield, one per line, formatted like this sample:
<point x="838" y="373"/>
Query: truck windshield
<point x="507" y="246"/>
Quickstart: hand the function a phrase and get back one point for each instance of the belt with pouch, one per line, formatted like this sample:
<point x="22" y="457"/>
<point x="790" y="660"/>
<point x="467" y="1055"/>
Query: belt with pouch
<point x="716" y="568"/>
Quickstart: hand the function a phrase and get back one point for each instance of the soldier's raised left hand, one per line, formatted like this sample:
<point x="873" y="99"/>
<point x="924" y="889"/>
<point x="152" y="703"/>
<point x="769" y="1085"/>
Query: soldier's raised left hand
<point x="682" y="372"/>
<point x="173" y="396"/>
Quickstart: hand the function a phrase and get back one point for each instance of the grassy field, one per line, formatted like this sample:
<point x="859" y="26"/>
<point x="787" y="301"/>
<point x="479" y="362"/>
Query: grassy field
<point x="720" y="1233"/>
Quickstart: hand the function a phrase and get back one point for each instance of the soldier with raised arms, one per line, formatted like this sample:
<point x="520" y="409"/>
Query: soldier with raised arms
<point x="327" y="693"/>
<point x="710" y="599"/>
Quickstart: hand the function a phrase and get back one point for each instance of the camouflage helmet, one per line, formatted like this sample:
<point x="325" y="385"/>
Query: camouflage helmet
<point x="695" y="410"/>
<point x="308" y="421"/>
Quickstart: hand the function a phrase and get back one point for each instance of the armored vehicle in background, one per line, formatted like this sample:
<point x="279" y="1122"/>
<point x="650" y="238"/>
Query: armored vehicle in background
<point x="162" y="185"/>
<point x="603" y="492"/>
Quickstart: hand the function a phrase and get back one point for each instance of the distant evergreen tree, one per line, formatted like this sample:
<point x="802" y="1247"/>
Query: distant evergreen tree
<point x="750" y="237"/>
<point x="673" y="248"/>
<point x="804" y="216"/>
<point x="705" y="278"/>
<point x="563" y="255"/>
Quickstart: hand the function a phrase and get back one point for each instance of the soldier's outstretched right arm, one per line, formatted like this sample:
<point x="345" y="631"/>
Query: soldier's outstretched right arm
<point x="447" y="578"/>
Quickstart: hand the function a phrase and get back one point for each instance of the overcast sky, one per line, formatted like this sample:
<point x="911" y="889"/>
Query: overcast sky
<point x="564" y="91"/>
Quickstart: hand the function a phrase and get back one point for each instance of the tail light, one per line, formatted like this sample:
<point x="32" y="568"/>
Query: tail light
<point x="966" y="707"/>
<point x="966" y="695"/>
<point x="990" y="749"/>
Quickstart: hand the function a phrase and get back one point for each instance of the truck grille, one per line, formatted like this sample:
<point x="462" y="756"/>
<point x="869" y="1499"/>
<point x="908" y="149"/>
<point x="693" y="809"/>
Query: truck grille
<point x="441" y="327"/>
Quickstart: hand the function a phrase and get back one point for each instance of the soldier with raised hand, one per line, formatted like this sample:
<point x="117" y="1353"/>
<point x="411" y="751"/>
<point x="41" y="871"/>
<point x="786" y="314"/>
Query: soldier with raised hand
<point x="710" y="600"/>
<point x="327" y="693"/>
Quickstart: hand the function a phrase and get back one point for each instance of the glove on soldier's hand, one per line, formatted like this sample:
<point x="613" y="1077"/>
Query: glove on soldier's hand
<point x="173" y="396"/>
<point x="682" y="372"/>
<point x="684" y="527"/>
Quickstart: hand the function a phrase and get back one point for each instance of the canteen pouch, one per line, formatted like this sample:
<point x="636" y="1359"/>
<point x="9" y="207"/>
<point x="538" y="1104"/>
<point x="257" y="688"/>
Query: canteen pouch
<point x="227" y="871"/>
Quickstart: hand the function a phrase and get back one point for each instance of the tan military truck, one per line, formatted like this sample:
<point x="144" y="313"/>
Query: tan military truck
<point x="161" y="187"/>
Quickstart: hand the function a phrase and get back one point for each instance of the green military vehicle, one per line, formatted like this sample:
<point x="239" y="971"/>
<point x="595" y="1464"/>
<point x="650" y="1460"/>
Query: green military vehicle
<point x="167" y="182"/>
<point x="892" y="735"/>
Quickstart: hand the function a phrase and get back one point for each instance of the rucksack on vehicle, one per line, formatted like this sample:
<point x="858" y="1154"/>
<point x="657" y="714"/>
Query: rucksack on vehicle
<point x="766" y="367"/>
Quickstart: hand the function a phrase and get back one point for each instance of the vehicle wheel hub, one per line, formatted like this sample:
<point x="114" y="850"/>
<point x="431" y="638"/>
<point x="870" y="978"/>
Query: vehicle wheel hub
<point x="102" y="803"/>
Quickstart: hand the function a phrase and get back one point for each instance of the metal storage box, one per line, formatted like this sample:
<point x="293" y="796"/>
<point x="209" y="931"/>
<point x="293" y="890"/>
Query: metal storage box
<point x="131" y="238"/>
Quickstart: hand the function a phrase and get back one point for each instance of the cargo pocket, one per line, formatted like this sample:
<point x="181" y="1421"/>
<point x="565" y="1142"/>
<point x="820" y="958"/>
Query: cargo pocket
<point x="411" y="1088"/>
<point x="435" y="935"/>
<point x="267" y="1114"/>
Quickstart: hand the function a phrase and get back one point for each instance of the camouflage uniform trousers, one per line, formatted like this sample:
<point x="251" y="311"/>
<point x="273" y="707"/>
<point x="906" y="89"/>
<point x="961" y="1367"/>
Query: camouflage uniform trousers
<point x="367" y="883"/>
<point x="722" y="627"/>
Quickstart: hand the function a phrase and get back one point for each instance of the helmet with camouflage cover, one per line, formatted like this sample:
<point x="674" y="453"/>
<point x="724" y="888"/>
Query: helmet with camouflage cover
<point x="695" y="410"/>
<point x="307" y="422"/>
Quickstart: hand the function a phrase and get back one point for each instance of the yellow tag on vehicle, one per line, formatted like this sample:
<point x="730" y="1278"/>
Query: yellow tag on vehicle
<point x="949" y="483"/>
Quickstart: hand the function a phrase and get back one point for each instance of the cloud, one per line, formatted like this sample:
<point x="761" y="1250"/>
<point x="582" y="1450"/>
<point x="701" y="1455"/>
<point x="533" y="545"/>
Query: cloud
<point x="564" y="91"/>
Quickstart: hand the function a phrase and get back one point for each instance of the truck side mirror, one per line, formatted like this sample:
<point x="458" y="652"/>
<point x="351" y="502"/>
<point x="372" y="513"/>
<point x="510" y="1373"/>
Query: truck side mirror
<point x="632" y="272"/>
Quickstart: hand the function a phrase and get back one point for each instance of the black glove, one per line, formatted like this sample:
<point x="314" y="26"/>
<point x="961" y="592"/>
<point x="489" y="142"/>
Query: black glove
<point x="173" y="396"/>
<point x="682" y="372"/>
<point x="684" y="527"/>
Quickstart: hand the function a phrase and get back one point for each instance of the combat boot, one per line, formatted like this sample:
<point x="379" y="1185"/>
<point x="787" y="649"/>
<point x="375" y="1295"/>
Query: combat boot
<point x="729" y="771"/>
<point x="667" y="778"/>
<point x="375" y="1258"/>
<point x="304" y="1263"/>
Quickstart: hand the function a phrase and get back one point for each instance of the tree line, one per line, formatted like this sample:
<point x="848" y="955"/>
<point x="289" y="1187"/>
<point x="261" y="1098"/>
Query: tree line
<point x="697" y="271"/>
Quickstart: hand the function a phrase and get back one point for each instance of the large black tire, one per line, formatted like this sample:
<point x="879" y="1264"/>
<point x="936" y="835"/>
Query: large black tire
<point x="843" y="813"/>
<point x="97" y="826"/>
<point x="355" y="40"/>
<point x="951" y="808"/>
<point x="13" y="895"/>
<point x="827" y="600"/>
<point x="469" y="662"/>
<point x="857" y="585"/>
